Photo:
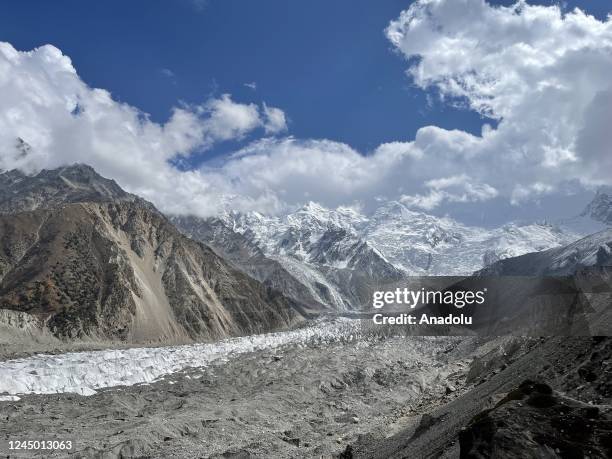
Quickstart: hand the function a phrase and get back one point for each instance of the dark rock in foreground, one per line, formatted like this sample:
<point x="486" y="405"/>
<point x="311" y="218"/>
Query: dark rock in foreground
<point x="534" y="421"/>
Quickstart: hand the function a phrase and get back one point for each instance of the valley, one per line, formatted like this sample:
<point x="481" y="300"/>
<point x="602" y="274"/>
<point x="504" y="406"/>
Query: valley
<point x="250" y="396"/>
<point x="134" y="334"/>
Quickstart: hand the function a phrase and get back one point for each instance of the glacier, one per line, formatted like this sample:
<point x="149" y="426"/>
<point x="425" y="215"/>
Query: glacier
<point x="86" y="372"/>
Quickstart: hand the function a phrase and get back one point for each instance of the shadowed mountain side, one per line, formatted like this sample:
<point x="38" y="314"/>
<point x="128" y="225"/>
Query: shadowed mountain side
<point x="575" y="305"/>
<point x="114" y="268"/>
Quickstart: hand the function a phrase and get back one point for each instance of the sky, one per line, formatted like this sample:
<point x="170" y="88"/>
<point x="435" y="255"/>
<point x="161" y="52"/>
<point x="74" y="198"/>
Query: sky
<point x="486" y="111"/>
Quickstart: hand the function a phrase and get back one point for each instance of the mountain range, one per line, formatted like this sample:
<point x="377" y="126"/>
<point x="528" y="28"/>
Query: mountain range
<point x="593" y="251"/>
<point x="80" y="258"/>
<point x="341" y="255"/>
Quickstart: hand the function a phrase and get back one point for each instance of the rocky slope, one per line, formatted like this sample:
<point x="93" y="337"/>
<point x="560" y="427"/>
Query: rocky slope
<point x="502" y="413"/>
<point x="248" y="257"/>
<point x="83" y="259"/>
<point x="535" y="421"/>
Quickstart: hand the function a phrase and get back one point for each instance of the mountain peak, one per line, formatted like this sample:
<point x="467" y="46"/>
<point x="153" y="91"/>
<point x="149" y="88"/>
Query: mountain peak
<point x="81" y="169"/>
<point x="80" y="172"/>
<point x="52" y="187"/>
<point x="313" y="208"/>
<point x="600" y="208"/>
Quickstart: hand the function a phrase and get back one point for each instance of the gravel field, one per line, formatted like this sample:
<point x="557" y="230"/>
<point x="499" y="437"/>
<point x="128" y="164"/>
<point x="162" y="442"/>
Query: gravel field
<point x="297" y="395"/>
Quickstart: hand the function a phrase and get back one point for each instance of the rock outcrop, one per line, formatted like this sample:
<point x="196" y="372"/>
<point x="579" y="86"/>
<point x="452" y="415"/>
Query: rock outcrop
<point x="534" y="421"/>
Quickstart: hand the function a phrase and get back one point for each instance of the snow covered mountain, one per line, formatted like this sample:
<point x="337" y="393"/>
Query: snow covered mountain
<point x="414" y="242"/>
<point x="600" y="209"/>
<point x="341" y="255"/>
<point x="596" y="216"/>
<point x="317" y="247"/>
<point x="591" y="251"/>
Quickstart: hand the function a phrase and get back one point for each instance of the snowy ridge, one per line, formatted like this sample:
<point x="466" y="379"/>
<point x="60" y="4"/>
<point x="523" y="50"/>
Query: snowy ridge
<point x="322" y="249"/>
<point x="586" y="250"/>
<point x="413" y="242"/>
<point x="600" y="209"/>
<point x="590" y="252"/>
<point x="85" y="372"/>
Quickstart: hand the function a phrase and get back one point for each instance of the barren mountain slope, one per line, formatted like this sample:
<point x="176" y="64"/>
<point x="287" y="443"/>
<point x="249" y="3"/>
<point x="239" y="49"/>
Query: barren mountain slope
<point x="117" y="269"/>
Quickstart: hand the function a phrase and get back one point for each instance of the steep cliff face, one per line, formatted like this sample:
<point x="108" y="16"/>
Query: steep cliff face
<point x="115" y="268"/>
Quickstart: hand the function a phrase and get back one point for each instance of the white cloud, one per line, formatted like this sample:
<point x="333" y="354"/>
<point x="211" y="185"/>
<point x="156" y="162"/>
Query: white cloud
<point x="167" y="73"/>
<point x="456" y="188"/>
<point x="275" y="120"/>
<point x="252" y="85"/>
<point x="44" y="102"/>
<point x="520" y="192"/>
<point x="541" y="76"/>
<point x="226" y="119"/>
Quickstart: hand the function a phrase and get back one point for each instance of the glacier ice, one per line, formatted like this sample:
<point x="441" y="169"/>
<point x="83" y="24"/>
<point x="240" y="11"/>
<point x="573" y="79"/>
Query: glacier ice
<point x="85" y="372"/>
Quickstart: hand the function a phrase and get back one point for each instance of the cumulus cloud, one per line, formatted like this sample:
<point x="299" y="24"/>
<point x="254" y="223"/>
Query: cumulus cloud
<point x="44" y="102"/>
<point x="539" y="72"/>
<point x="457" y="188"/>
<point x="539" y="75"/>
<point x="275" y="120"/>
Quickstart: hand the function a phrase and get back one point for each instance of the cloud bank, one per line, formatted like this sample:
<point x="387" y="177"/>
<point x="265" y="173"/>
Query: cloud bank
<point x="44" y="102"/>
<point x="540" y="75"/>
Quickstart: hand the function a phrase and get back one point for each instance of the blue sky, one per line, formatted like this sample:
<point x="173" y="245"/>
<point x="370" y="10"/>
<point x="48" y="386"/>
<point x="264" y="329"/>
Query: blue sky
<point x="327" y="64"/>
<point x="333" y="79"/>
